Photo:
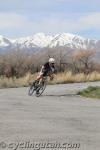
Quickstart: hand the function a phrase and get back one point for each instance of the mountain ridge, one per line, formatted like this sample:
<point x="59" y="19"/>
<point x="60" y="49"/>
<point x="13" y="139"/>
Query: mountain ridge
<point x="40" y="40"/>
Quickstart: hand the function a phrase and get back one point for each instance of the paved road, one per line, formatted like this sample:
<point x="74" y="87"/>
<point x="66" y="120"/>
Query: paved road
<point x="57" y="116"/>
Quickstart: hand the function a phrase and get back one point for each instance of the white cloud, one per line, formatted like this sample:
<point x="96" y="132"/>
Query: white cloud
<point x="52" y="24"/>
<point x="91" y="21"/>
<point x="12" y="20"/>
<point x="58" y="24"/>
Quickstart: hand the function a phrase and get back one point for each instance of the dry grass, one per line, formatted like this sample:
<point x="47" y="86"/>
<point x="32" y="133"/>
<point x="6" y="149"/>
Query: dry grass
<point x="66" y="77"/>
<point x="16" y="82"/>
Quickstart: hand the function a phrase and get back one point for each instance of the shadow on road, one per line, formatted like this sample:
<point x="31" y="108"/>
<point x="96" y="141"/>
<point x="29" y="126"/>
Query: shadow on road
<point x="55" y="95"/>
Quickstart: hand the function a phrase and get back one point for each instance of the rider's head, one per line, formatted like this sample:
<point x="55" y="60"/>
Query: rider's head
<point x="52" y="61"/>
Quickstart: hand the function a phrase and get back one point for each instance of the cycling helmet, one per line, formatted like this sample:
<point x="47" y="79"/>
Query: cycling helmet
<point x="51" y="60"/>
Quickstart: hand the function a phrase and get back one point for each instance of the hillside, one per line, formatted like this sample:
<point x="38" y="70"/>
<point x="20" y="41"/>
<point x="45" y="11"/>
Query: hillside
<point x="40" y="40"/>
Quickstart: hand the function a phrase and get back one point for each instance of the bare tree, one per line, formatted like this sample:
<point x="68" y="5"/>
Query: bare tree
<point x="82" y="60"/>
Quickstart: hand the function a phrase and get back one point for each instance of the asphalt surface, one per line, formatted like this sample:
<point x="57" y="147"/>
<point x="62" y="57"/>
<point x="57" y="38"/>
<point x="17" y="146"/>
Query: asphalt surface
<point x="58" y="116"/>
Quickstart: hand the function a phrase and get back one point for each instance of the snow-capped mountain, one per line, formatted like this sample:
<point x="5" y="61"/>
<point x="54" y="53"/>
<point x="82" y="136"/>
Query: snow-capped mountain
<point x="40" y="41"/>
<point x="73" y="41"/>
<point x="5" y="43"/>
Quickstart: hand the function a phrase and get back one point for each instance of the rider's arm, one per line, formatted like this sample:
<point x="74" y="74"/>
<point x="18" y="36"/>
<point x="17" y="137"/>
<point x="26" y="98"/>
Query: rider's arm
<point x="42" y="69"/>
<point x="54" y="70"/>
<point x="51" y="76"/>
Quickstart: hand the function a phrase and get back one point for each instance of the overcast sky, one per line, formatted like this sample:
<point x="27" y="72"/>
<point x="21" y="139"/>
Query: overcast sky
<point x="19" y="18"/>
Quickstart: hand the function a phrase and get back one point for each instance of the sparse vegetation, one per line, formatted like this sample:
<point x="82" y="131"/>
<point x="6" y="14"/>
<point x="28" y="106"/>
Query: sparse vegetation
<point x="17" y="63"/>
<point x="92" y="92"/>
<point x="19" y="68"/>
<point x="82" y="61"/>
<point x="60" y="78"/>
<point x="69" y="77"/>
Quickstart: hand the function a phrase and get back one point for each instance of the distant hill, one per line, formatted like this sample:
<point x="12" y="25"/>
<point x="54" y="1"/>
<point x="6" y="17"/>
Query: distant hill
<point x="40" y="41"/>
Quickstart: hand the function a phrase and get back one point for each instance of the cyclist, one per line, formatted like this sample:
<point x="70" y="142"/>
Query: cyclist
<point x="48" y="69"/>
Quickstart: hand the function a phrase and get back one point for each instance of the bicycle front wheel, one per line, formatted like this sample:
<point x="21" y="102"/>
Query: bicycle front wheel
<point x="40" y="89"/>
<point x="31" y="90"/>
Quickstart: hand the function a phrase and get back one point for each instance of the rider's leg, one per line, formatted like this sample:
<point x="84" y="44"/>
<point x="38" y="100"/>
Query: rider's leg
<point x="39" y="77"/>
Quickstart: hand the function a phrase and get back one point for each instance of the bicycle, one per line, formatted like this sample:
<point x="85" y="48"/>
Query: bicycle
<point x="38" y="87"/>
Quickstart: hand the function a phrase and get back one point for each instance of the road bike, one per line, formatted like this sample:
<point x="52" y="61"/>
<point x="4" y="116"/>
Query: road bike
<point x="38" y="87"/>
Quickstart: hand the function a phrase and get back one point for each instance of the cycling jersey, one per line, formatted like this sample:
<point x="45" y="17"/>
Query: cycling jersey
<point x="47" y="68"/>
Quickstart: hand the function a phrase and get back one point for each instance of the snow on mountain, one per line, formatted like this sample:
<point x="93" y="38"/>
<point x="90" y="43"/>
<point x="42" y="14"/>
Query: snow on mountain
<point x="66" y="39"/>
<point x="4" y="42"/>
<point x="40" y="40"/>
<point x="72" y="41"/>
